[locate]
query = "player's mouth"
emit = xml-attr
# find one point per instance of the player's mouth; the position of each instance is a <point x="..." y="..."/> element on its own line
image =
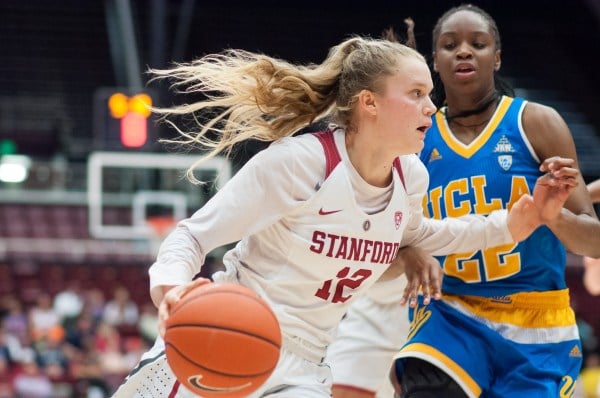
<point x="424" y="127"/>
<point x="464" y="70"/>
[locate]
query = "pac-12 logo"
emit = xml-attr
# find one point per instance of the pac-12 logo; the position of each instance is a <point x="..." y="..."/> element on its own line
<point x="505" y="161"/>
<point x="398" y="219"/>
<point x="195" y="382"/>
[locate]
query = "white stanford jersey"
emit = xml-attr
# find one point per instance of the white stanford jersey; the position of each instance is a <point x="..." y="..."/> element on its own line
<point x="323" y="253"/>
<point x="305" y="245"/>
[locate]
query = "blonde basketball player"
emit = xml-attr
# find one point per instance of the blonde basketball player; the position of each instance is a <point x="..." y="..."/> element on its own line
<point x="377" y="324"/>
<point x="318" y="217"/>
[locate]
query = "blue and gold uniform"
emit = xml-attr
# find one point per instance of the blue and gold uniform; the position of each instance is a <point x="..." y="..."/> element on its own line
<point x="505" y="312"/>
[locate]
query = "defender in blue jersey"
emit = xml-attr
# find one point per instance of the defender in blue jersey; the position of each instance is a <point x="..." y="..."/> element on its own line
<point x="504" y="327"/>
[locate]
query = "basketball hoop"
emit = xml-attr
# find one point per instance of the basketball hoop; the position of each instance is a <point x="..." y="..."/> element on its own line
<point x="160" y="226"/>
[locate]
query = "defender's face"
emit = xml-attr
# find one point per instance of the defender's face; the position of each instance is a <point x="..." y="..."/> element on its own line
<point x="465" y="54"/>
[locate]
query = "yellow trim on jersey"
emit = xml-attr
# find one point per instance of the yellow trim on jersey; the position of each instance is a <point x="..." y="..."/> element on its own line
<point x="527" y="310"/>
<point x="467" y="151"/>
<point x="430" y="352"/>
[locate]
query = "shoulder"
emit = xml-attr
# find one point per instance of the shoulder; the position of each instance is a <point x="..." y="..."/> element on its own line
<point x="535" y="112"/>
<point x="304" y="149"/>
<point x="296" y="162"/>
<point x="547" y="131"/>
<point x="415" y="173"/>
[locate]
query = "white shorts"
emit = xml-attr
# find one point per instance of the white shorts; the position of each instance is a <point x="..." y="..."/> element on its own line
<point x="293" y="377"/>
<point x="372" y="332"/>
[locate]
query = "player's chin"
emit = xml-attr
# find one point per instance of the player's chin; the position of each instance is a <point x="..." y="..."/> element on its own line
<point x="418" y="145"/>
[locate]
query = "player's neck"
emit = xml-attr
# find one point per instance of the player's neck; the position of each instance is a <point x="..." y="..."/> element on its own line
<point x="459" y="110"/>
<point x="368" y="162"/>
<point x="467" y="122"/>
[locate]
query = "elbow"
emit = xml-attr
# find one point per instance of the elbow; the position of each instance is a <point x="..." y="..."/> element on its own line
<point x="592" y="251"/>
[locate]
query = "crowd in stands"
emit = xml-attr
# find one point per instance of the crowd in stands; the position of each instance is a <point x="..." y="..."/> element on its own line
<point x="75" y="343"/>
<point x="81" y="342"/>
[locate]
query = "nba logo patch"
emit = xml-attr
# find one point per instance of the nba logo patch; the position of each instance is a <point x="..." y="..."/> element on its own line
<point x="505" y="161"/>
<point x="398" y="218"/>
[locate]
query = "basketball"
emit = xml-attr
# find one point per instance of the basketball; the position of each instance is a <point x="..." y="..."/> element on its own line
<point x="222" y="340"/>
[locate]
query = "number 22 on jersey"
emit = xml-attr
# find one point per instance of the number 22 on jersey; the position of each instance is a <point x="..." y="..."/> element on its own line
<point x="494" y="263"/>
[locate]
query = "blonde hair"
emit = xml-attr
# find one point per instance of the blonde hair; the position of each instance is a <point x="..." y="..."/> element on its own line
<point x="247" y="95"/>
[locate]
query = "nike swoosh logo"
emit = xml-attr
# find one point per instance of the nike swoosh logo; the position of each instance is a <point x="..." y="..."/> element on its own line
<point x="195" y="381"/>
<point x="324" y="213"/>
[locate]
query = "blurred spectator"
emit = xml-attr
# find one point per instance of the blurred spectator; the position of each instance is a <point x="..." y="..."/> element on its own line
<point x="15" y="320"/>
<point x="6" y="390"/>
<point x="114" y="363"/>
<point x="112" y="359"/>
<point x="42" y="317"/>
<point x="51" y="355"/>
<point x="591" y="275"/>
<point x="148" y="323"/>
<point x="11" y="349"/>
<point x="121" y="310"/>
<point x="94" y="302"/>
<point x="81" y="335"/>
<point x="589" y="378"/>
<point x="30" y="381"/>
<point x="105" y="335"/>
<point x="587" y="334"/>
<point x="134" y="348"/>
<point x="69" y="303"/>
<point x="88" y="376"/>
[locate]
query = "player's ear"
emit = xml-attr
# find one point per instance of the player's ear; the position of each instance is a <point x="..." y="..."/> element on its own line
<point x="434" y="66"/>
<point x="367" y="102"/>
<point x="497" y="60"/>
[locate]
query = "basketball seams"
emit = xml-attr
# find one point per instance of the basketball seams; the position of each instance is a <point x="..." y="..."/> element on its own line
<point x="220" y="373"/>
<point x="206" y="293"/>
<point x="229" y="335"/>
<point x="217" y="327"/>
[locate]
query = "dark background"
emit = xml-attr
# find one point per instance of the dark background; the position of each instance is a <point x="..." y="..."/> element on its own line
<point x="56" y="54"/>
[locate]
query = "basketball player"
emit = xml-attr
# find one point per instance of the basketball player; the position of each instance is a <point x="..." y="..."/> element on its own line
<point x="376" y="325"/>
<point x="318" y="217"/>
<point x="504" y="327"/>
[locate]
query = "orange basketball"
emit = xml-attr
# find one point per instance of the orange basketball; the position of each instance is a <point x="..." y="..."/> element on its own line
<point x="222" y="340"/>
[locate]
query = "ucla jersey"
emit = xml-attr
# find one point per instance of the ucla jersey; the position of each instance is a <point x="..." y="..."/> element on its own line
<point x="490" y="173"/>
<point x="513" y="297"/>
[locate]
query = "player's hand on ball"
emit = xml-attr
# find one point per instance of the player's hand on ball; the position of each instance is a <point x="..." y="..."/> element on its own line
<point x="172" y="297"/>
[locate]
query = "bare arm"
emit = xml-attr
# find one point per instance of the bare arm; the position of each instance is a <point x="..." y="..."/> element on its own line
<point x="594" y="190"/>
<point x="591" y="276"/>
<point x="577" y="225"/>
